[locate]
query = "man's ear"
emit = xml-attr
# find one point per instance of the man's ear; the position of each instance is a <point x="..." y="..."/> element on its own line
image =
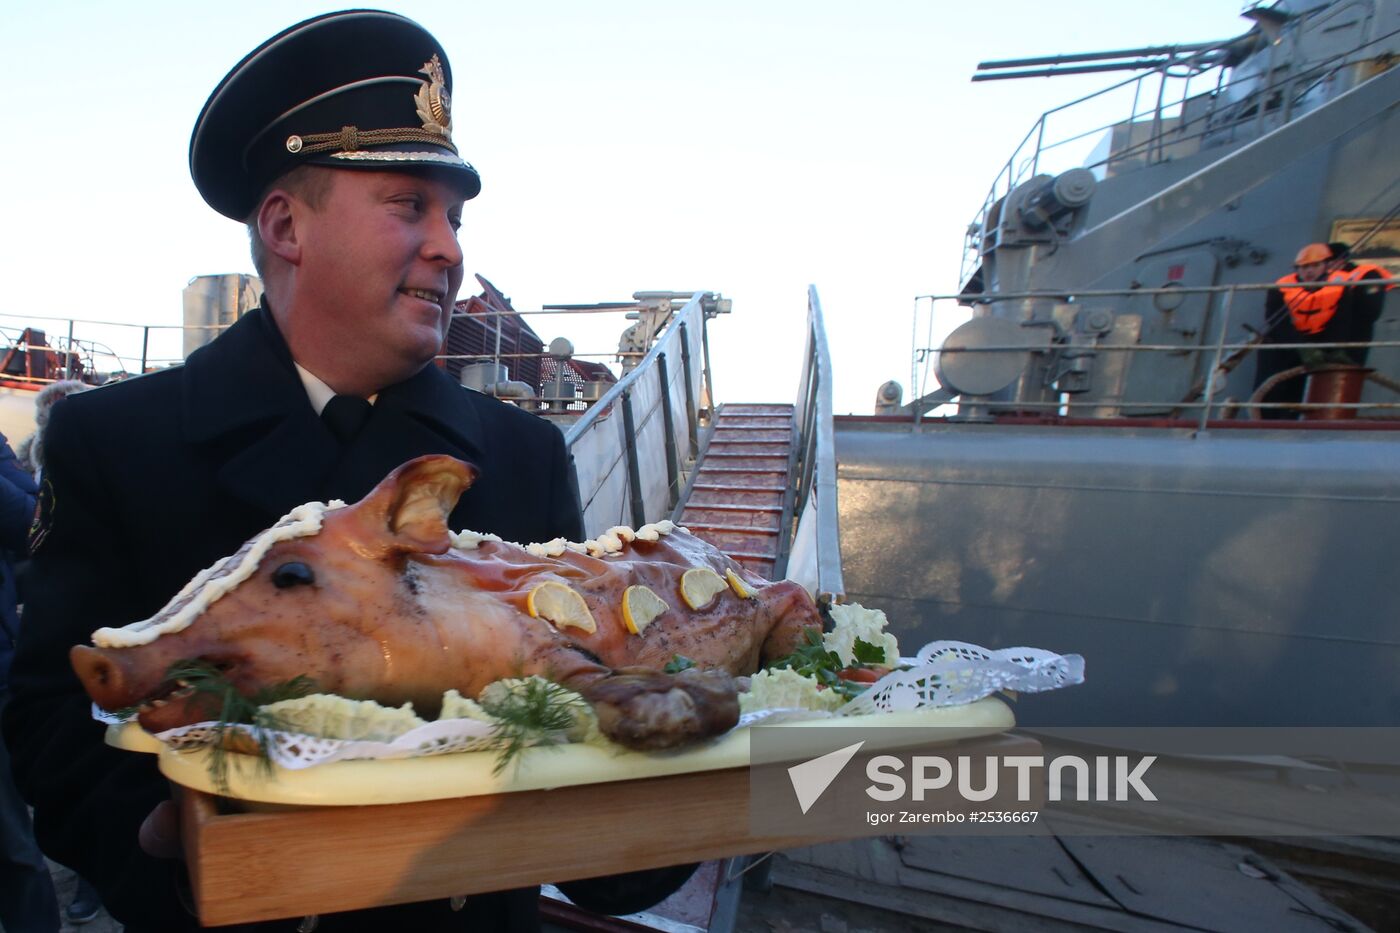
<point x="277" y="225"/>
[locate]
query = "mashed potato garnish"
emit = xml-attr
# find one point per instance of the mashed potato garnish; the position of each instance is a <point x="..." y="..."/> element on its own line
<point x="853" y="621"/>
<point x="456" y="706"/>
<point x="784" y="688"/>
<point x="333" y="717"/>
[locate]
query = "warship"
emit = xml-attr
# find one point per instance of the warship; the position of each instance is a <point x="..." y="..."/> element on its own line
<point x="1093" y="462"/>
<point x="1094" y="469"/>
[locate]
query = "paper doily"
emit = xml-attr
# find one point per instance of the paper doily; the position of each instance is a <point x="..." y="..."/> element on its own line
<point x="950" y="673"/>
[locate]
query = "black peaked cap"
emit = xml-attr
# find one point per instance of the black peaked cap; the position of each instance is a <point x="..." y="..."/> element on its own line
<point x="361" y="89"/>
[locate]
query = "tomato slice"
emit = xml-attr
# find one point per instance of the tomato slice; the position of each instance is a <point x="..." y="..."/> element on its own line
<point x="861" y="675"/>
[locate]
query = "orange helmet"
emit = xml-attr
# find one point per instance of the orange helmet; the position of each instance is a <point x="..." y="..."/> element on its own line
<point x="1313" y="252"/>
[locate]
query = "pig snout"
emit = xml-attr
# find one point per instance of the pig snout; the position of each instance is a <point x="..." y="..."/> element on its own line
<point x="105" y="678"/>
<point x="118" y="679"/>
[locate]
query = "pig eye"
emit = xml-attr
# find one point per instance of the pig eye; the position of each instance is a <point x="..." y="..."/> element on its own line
<point x="294" y="573"/>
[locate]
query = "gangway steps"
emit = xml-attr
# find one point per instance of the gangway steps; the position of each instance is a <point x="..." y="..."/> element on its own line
<point x="749" y="471"/>
<point x="737" y="498"/>
<point x="724" y="509"/>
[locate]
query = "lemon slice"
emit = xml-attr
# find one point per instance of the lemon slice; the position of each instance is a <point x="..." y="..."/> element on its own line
<point x="639" y="607"/>
<point x="554" y="602"/>
<point x="700" y="585"/>
<point x="740" y="588"/>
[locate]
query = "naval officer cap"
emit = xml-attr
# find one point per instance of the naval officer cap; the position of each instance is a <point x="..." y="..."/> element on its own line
<point x="360" y="89"/>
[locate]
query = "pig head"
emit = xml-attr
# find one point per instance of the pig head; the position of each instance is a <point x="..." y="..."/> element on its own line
<point x="378" y="600"/>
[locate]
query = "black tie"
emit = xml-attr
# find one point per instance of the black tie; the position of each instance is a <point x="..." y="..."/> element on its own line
<point x="345" y="415"/>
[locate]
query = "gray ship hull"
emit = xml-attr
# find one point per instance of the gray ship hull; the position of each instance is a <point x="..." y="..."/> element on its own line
<point x="1233" y="577"/>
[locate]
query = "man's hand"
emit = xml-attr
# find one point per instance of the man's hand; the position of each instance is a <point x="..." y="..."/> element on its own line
<point x="160" y="833"/>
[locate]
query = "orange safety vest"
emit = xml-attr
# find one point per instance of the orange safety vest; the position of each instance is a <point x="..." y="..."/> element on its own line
<point x="1365" y="268"/>
<point x="1311" y="306"/>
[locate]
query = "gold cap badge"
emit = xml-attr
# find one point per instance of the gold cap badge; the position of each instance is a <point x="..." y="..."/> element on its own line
<point x="433" y="102"/>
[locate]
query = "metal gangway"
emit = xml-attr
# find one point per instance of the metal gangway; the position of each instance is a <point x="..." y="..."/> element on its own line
<point x="643" y="451"/>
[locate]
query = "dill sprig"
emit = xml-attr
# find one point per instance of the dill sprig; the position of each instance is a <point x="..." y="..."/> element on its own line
<point x="535" y="712"/>
<point x="235" y="708"/>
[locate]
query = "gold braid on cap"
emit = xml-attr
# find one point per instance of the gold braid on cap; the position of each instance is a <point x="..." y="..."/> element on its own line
<point x="434" y="107"/>
<point x="353" y="139"/>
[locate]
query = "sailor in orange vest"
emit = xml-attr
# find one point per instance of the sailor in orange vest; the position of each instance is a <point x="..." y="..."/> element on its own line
<point x="1310" y="308"/>
<point x="1310" y="304"/>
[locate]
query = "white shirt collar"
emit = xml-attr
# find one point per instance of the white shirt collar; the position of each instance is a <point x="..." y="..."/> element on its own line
<point x="317" y="392"/>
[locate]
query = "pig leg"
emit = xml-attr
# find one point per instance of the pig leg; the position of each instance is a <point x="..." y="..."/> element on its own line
<point x="794" y="613"/>
<point x="647" y="710"/>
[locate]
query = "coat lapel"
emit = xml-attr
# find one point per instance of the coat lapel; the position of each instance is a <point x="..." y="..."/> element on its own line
<point x="246" y="408"/>
<point x="425" y="414"/>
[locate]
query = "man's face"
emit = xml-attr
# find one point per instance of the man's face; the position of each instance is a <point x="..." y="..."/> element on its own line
<point x="380" y="269"/>
<point x="1311" y="271"/>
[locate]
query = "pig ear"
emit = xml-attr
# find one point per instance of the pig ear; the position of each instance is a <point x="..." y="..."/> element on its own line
<point x="417" y="499"/>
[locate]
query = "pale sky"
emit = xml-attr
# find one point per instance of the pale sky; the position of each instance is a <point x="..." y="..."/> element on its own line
<point x="749" y="148"/>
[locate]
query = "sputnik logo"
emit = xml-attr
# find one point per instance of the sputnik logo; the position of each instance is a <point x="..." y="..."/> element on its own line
<point x="811" y="778"/>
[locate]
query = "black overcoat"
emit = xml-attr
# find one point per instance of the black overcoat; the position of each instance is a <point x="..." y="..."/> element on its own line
<point x="147" y="482"/>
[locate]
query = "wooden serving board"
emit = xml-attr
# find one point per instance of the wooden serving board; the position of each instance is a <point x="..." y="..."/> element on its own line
<point x="354" y="834"/>
<point x="298" y="861"/>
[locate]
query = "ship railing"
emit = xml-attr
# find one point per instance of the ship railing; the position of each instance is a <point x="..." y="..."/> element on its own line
<point x="633" y="446"/>
<point x="566" y="394"/>
<point x="95" y="351"/>
<point x="814" y="559"/>
<point x="99" y="351"/>
<point x="558" y="395"/>
<point x="1175" y="121"/>
<point x="1228" y="339"/>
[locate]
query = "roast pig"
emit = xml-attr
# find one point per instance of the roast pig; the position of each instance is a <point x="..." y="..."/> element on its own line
<point x="379" y="600"/>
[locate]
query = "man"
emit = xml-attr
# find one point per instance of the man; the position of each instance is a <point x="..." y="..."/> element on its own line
<point x="1309" y="305"/>
<point x="333" y="142"/>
